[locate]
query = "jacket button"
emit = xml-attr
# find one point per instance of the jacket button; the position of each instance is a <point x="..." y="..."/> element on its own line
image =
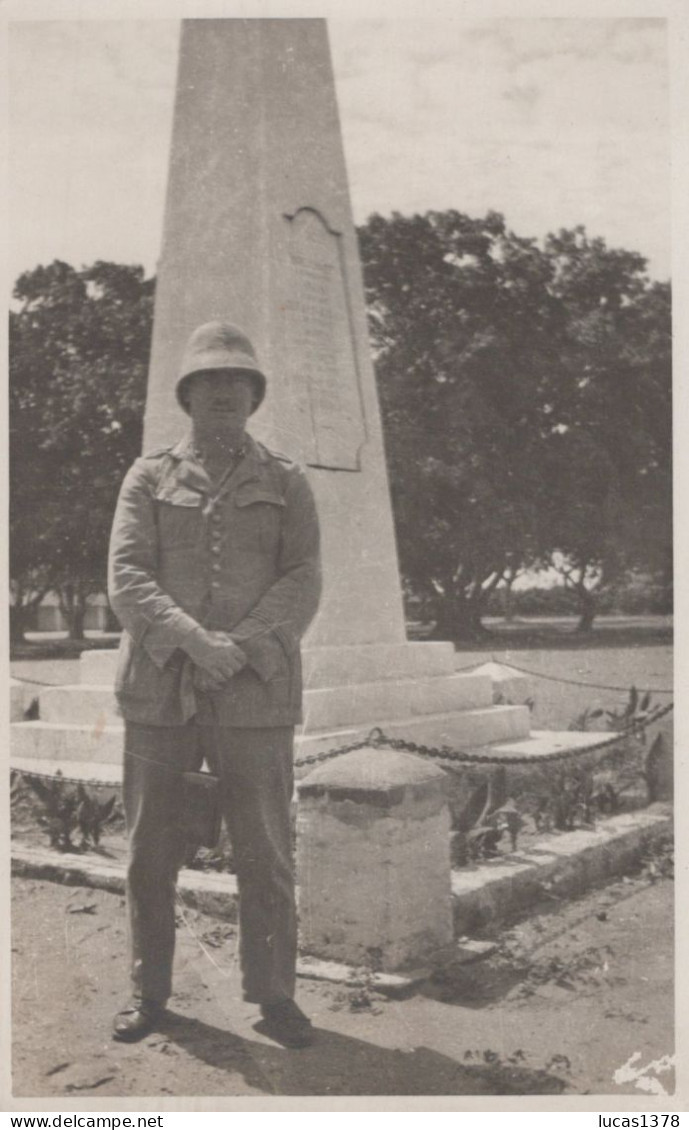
<point x="215" y="549"/>
<point x="216" y="566"/>
<point x="215" y="584"/>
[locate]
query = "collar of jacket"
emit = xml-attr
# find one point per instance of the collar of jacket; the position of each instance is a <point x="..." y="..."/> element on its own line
<point x="191" y="473"/>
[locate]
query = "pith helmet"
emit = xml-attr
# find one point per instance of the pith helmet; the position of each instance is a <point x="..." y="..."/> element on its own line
<point x="220" y="345"/>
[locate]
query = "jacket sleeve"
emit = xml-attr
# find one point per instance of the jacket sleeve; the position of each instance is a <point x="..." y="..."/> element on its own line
<point x="144" y="609"/>
<point x="277" y="622"/>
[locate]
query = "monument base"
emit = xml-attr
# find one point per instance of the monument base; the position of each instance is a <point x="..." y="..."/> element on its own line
<point x="409" y="691"/>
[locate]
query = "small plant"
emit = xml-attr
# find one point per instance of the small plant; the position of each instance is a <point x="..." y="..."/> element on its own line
<point x="59" y="815"/>
<point x="633" y="715"/>
<point x="67" y="810"/>
<point x="583" y="721"/>
<point x="92" y="816"/>
<point x="558" y="796"/>
<point x="483" y="839"/>
<point x="561" y="798"/>
<point x="600" y="791"/>
<point x="630" y="717"/>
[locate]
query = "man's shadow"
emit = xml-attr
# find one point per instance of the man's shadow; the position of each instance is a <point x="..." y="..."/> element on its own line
<point x="341" y="1065"/>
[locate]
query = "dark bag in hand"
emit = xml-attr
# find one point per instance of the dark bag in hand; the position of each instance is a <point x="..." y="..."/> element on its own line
<point x="201" y="808"/>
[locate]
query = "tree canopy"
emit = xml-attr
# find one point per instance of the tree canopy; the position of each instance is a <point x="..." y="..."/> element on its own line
<point x="79" y="345"/>
<point x="526" y="399"/>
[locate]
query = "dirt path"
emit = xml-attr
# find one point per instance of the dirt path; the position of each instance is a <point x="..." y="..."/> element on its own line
<point x="568" y="998"/>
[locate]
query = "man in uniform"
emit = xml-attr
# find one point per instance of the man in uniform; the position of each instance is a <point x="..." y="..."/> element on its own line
<point x="214" y="574"/>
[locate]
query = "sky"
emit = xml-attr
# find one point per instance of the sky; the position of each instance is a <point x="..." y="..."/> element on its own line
<point x="553" y="122"/>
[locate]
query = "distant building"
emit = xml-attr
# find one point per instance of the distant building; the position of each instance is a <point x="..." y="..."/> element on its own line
<point x="49" y="618"/>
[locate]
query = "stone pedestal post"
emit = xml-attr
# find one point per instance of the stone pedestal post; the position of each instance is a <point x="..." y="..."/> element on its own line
<point x="373" y="860"/>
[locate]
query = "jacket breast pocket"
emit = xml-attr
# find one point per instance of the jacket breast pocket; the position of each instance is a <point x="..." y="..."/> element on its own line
<point x="258" y="519"/>
<point x="180" y="519"/>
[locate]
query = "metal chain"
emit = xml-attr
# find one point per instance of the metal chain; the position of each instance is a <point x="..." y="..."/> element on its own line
<point x="317" y="758"/>
<point x="577" y="683"/>
<point x="378" y="740"/>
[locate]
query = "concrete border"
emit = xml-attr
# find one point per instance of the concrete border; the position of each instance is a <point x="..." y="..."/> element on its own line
<point x="211" y="892"/>
<point x="559" y="867"/>
<point x="556" y="868"/>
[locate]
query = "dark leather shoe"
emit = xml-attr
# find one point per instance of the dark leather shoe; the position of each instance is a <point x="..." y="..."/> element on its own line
<point x="136" y="1021"/>
<point x="285" y="1023"/>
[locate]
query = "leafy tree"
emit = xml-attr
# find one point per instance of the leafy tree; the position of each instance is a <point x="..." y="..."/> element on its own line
<point x="79" y="344"/>
<point x="461" y="321"/>
<point x="608" y="464"/>
<point x="525" y="399"/>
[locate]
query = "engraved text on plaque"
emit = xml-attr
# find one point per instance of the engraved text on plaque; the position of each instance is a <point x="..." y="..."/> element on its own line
<point x="322" y="358"/>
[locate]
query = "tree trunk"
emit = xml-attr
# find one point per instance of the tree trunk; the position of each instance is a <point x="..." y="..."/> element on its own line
<point x="18" y="622"/>
<point x="587" y="610"/>
<point x="76" y="621"/>
<point x="73" y="608"/>
<point x="22" y="611"/>
<point x="508" y="602"/>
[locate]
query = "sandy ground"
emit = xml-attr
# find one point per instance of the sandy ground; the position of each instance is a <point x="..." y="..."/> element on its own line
<point x="570" y="996"/>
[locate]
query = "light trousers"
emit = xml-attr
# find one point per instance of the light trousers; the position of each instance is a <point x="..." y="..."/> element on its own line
<point x="256" y="774"/>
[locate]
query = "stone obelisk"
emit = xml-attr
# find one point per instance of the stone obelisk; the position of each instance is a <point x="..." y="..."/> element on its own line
<point x="258" y="230"/>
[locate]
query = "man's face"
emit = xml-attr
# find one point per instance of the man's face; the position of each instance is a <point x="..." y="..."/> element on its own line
<point x="222" y="398"/>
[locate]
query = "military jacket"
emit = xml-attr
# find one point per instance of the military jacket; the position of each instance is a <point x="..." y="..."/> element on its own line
<point x="244" y="560"/>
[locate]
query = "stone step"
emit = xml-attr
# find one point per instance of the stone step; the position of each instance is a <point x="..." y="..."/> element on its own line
<point x="76" y="703"/>
<point x="69" y="742"/>
<point x="101" y="772"/>
<point x="60" y="742"/>
<point x="536" y="748"/>
<point x="541" y="744"/>
<point x="325" y="666"/>
<point x="324" y="707"/>
<point x="366" y="702"/>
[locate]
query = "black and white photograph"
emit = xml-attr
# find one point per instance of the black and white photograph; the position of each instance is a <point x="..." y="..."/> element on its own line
<point x="340" y="445"/>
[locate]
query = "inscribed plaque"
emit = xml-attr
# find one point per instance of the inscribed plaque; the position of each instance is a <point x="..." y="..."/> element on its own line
<point x="322" y="356"/>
